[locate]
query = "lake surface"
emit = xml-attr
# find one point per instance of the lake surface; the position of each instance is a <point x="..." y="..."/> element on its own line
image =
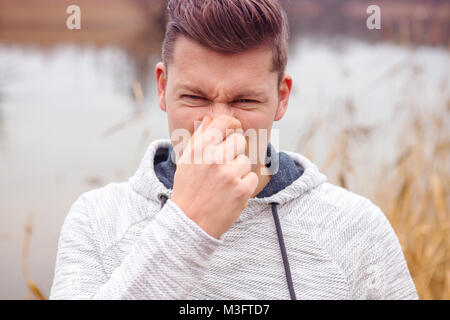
<point x="56" y="105"/>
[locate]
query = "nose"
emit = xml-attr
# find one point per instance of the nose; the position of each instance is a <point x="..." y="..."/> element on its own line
<point x="220" y="108"/>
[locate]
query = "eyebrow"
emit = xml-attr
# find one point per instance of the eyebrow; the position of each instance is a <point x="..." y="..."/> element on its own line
<point x="244" y="93"/>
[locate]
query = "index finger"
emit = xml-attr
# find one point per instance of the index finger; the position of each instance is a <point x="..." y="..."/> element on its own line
<point x="196" y="136"/>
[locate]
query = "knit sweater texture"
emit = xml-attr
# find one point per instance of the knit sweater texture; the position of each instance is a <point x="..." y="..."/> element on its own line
<point x="121" y="242"/>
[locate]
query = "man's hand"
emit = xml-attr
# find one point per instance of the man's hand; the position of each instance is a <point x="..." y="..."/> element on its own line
<point x="214" y="192"/>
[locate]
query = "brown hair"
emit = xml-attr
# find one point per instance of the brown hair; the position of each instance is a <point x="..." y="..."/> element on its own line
<point x="229" y="26"/>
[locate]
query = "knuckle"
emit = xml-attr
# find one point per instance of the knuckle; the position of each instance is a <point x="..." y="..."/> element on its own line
<point x="242" y="191"/>
<point x="241" y="139"/>
<point x="237" y="136"/>
<point x="236" y="122"/>
<point x="248" y="166"/>
<point x="243" y="160"/>
<point x="229" y="123"/>
<point x="227" y="175"/>
<point x="237" y="140"/>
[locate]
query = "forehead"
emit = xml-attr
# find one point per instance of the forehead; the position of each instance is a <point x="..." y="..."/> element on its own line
<point x="197" y="64"/>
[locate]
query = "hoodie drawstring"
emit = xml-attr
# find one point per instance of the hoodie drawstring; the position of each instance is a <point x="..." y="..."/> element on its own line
<point x="163" y="199"/>
<point x="287" y="269"/>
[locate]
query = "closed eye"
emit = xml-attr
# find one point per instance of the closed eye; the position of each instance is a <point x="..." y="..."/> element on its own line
<point x="192" y="97"/>
<point x="246" y="101"/>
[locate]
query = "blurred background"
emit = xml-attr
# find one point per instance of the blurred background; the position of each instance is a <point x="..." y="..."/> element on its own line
<point x="78" y="108"/>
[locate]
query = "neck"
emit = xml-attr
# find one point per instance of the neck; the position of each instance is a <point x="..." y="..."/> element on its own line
<point x="263" y="179"/>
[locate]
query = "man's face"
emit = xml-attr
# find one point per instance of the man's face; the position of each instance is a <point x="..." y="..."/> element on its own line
<point x="204" y="82"/>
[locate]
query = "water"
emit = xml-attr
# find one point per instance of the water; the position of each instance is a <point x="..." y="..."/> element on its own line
<point x="55" y="106"/>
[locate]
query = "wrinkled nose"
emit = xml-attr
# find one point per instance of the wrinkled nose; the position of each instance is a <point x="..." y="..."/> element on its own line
<point x="220" y="108"/>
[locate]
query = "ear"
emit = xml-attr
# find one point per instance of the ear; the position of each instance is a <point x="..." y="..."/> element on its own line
<point x="160" y="73"/>
<point x="284" y="92"/>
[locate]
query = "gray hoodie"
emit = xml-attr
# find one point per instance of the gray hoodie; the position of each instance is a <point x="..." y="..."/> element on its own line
<point x="309" y="240"/>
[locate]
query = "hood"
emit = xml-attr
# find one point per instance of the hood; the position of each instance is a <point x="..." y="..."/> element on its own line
<point x="146" y="182"/>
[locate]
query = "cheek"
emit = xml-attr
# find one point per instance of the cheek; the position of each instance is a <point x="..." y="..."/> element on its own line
<point x="257" y="119"/>
<point x="257" y="127"/>
<point x="262" y="122"/>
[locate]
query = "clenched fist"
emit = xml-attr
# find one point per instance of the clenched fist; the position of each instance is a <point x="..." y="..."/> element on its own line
<point x="214" y="191"/>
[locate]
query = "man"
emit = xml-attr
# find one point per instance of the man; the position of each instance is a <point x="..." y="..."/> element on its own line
<point x="227" y="226"/>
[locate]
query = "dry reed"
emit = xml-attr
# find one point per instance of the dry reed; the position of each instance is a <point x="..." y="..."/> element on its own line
<point x="415" y="200"/>
<point x="413" y="192"/>
<point x="34" y="291"/>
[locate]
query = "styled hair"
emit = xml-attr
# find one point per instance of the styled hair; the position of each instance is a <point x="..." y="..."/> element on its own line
<point x="229" y="26"/>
